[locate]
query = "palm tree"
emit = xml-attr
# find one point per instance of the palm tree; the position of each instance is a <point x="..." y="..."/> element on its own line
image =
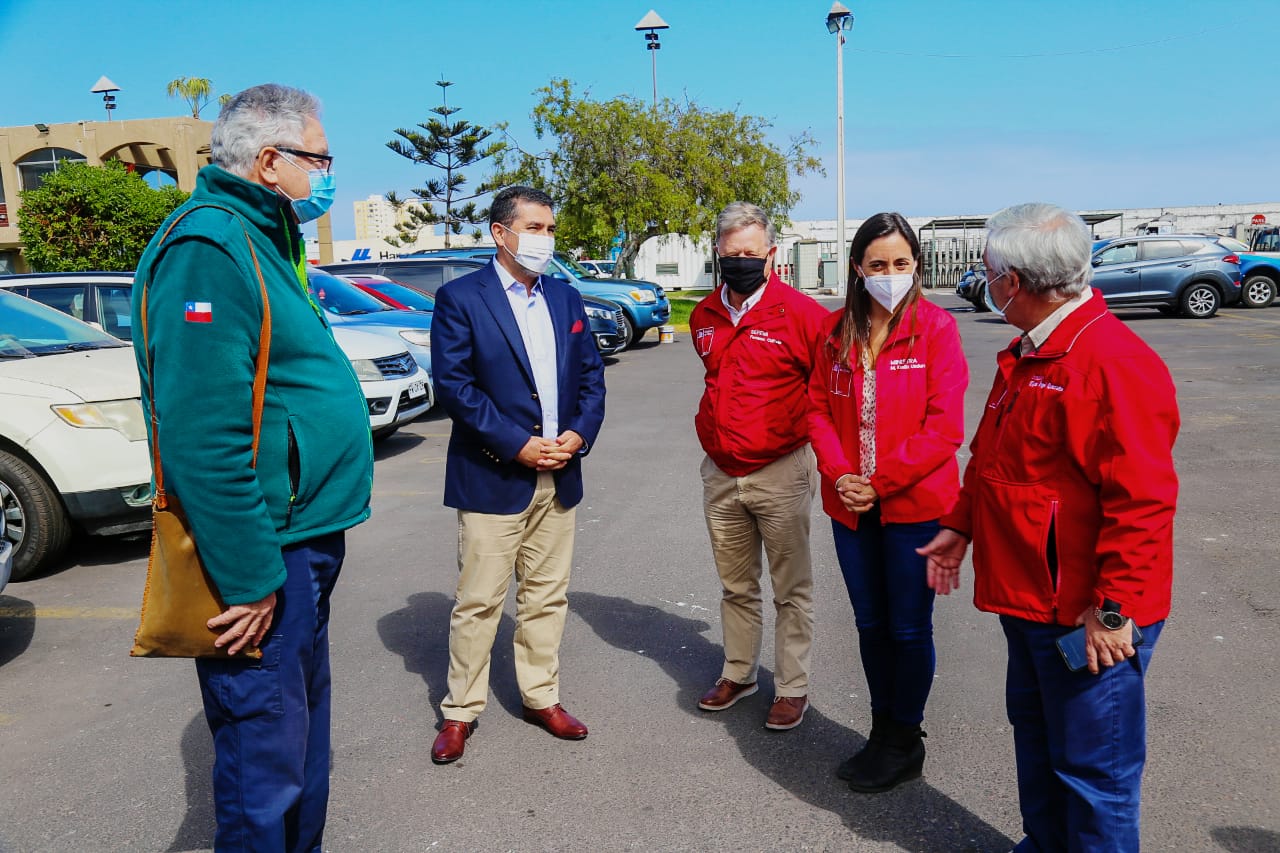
<point x="196" y="91"/>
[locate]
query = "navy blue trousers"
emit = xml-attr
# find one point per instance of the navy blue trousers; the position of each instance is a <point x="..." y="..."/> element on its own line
<point x="893" y="610"/>
<point x="270" y="719"/>
<point x="1080" y="741"/>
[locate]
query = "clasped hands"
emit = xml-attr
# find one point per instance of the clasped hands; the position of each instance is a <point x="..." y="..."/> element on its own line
<point x="856" y="493"/>
<point x="549" y="454"/>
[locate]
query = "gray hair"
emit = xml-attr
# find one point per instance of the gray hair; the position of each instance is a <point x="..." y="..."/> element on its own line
<point x="1049" y="246"/>
<point x="740" y="214"/>
<point x="258" y="118"/>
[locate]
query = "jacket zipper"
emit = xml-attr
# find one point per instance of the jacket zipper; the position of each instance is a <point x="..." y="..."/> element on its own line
<point x="295" y="475"/>
<point x="1055" y="572"/>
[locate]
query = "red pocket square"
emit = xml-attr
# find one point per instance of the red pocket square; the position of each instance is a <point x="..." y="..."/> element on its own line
<point x="577" y="327"/>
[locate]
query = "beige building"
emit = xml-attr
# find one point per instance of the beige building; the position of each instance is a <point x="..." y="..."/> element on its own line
<point x="177" y="147"/>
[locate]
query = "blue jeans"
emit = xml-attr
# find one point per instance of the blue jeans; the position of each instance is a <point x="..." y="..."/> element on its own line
<point x="1080" y="742"/>
<point x="270" y="719"/>
<point x="893" y="609"/>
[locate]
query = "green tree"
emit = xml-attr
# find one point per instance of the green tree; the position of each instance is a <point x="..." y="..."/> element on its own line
<point x="622" y="167"/>
<point x="91" y="218"/>
<point x="196" y="91"/>
<point x="449" y="146"/>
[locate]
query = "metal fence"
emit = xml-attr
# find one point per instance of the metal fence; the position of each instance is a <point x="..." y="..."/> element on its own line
<point x="945" y="259"/>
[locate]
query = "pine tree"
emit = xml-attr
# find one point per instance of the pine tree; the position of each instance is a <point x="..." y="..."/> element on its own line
<point x="448" y="146"/>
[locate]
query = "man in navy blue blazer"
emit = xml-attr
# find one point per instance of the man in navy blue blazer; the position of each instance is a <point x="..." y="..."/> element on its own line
<point x="517" y="370"/>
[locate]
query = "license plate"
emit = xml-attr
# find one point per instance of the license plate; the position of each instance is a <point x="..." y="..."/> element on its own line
<point x="417" y="389"/>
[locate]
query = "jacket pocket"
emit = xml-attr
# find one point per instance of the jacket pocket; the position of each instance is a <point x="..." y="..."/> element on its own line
<point x="296" y="482"/>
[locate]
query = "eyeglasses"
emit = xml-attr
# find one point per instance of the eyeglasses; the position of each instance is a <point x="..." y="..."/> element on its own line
<point x="325" y="161"/>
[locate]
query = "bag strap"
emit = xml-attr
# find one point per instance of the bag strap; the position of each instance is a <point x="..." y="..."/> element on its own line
<point x="260" y="365"/>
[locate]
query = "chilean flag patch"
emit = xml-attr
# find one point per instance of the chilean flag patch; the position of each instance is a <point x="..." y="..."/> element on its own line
<point x="199" y="312"/>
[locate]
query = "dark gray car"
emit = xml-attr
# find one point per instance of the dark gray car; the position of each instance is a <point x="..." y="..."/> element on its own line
<point x="1189" y="273"/>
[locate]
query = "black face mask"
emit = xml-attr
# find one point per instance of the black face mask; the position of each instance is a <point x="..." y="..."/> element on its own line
<point x="742" y="275"/>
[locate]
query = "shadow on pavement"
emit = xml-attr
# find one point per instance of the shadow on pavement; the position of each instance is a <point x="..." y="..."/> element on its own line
<point x="915" y="816"/>
<point x="394" y="445"/>
<point x="419" y="633"/>
<point x="1246" y="839"/>
<point x="196" y="832"/>
<point x="17" y="626"/>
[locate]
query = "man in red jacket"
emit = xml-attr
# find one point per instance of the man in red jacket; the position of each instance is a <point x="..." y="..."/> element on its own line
<point x="756" y="336"/>
<point x="1069" y="500"/>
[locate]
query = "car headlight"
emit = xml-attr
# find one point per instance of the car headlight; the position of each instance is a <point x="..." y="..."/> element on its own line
<point x="644" y="296"/>
<point x="599" y="313"/>
<point x="417" y="337"/>
<point x="366" y="370"/>
<point x="123" y="416"/>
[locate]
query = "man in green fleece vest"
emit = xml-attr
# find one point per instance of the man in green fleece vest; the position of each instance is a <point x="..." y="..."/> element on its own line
<point x="270" y="534"/>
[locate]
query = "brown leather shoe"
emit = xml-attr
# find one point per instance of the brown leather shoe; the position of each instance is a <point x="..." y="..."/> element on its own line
<point x="451" y="741"/>
<point x="556" y="720"/>
<point x="725" y="694"/>
<point x="786" y="713"/>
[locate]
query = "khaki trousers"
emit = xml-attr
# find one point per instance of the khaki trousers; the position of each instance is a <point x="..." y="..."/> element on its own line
<point x="537" y="546"/>
<point x="768" y="508"/>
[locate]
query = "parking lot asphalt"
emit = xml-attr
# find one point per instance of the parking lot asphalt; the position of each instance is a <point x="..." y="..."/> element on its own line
<point x="102" y="752"/>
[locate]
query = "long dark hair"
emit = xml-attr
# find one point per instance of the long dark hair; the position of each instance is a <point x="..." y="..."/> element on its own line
<point x="854" y="331"/>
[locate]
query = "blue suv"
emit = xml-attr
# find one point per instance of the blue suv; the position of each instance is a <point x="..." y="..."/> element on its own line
<point x="1260" y="269"/>
<point x="1193" y="274"/>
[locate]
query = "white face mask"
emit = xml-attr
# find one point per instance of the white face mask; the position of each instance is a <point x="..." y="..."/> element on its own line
<point x="991" y="303"/>
<point x="534" y="251"/>
<point x="889" y="290"/>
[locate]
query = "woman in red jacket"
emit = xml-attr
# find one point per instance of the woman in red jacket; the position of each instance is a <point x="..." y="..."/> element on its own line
<point x="887" y="416"/>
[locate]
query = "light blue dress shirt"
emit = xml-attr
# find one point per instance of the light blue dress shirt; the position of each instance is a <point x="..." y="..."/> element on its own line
<point x="534" y="319"/>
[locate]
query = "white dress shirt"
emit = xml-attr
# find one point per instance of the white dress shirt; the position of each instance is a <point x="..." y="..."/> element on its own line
<point x="534" y="319"/>
<point x="750" y="302"/>
<point x="1034" y="339"/>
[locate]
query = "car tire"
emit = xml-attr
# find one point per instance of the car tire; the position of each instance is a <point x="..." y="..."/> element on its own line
<point x="628" y="331"/>
<point x="1258" y="291"/>
<point x="979" y="299"/>
<point x="1200" y="300"/>
<point x="31" y="505"/>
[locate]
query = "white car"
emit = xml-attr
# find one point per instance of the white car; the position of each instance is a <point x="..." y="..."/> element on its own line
<point x="395" y="387"/>
<point x="73" y="440"/>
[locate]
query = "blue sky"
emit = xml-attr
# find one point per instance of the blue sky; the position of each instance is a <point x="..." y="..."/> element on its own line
<point x="950" y="107"/>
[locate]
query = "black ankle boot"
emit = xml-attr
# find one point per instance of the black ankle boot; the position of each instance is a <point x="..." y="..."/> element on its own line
<point x="856" y="765"/>
<point x="899" y="758"/>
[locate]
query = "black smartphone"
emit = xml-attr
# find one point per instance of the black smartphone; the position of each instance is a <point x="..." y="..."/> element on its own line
<point x="1071" y="647"/>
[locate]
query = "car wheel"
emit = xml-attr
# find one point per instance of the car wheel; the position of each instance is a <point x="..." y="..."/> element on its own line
<point x="628" y="331"/>
<point x="1259" y="291"/>
<point x="35" y="521"/>
<point x="979" y="299"/>
<point x="1200" y="301"/>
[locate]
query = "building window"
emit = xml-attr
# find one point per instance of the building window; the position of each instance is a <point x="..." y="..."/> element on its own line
<point x="709" y="268"/>
<point x="667" y="269"/>
<point x="33" y="167"/>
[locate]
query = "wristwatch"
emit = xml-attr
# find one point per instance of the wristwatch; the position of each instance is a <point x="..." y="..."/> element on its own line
<point x="1109" y="615"/>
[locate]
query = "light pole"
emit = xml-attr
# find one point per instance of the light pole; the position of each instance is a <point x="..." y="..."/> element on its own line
<point x="650" y="24"/>
<point x="106" y="87"/>
<point x="840" y="21"/>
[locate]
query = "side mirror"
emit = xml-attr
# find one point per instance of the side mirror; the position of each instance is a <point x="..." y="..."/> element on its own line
<point x="1097" y="262"/>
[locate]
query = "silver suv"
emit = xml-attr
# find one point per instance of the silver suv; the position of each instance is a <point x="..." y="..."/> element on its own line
<point x="1189" y="273"/>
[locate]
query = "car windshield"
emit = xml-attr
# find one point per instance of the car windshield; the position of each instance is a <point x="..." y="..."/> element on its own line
<point x="29" y="329"/>
<point x="1232" y="245"/>
<point x="342" y="297"/>
<point x="406" y="296"/>
<point x="576" y="268"/>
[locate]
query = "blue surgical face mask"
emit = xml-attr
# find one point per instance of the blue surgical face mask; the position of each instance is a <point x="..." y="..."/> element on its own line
<point x="986" y="297"/>
<point x="317" y="204"/>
